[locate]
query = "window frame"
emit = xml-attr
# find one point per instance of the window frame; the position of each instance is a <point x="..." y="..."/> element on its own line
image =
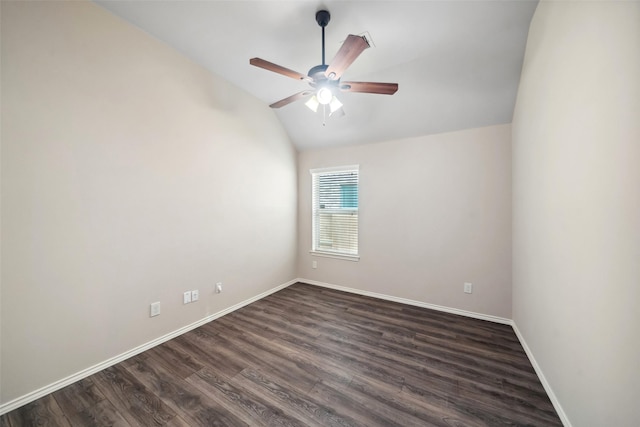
<point x="314" y="215"/>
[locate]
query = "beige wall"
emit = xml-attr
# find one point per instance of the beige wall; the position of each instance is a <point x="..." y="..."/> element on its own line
<point x="435" y="212"/>
<point x="129" y="175"/>
<point x="576" y="207"/>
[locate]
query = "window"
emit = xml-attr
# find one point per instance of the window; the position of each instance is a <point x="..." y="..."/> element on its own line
<point x="335" y="211"/>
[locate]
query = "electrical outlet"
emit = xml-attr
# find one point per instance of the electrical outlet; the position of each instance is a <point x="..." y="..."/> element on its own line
<point x="218" y="287"/>
<point x="186" y="298"/>
<point x="314" y="264"/>
<point x="155" y="309"/>
<point x="468" y="288"/>
<point x="195" y="295"/>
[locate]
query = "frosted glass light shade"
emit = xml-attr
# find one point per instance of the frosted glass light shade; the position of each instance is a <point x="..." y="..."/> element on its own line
<point x="312" y="103"/>
<point x="335" y="105"/>
<point x="324" y="95"/>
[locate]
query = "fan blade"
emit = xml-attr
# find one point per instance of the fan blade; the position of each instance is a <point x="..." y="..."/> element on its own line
<point x="270" y="66"/>
<point x="369" y="87"/>
<point x="292" y="98"/>
<point x="349" y="51"/>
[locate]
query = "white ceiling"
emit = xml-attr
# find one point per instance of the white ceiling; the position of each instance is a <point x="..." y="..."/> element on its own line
<point x="457" y="63"/>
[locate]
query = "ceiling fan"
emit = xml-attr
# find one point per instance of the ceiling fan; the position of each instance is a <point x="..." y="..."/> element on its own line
<point x="325" y="79"/>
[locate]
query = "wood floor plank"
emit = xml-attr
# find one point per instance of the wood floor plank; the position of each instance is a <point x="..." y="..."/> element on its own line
<point x="311" y="356"/>
<point x="137" y="405"/>
<point x="433" y="411"/>
<point x="78" y="396"/>
<point x="413" y="358"/>
<point x="183" y="398"/>
<point x="293" y="401"/>
<point x="43" y="412"/>
<point x="181" y="363"/>
<point x="366" y="412"/>
<point x="316" y="368"/>
<point x="284" y="368"/>
<point x="102" y="413"/>
<point x="84" y="404"/>
<point x="256" y="410"/>
<point x="207" y="353"/>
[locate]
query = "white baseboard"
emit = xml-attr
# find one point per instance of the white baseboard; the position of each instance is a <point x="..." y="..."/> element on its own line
<point x="37" y="394"/>
<point x="466" y="313"/>
<point x="543" y="379"/>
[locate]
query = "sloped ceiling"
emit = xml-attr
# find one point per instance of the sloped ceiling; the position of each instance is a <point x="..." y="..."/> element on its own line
<point x="457" y="63"/>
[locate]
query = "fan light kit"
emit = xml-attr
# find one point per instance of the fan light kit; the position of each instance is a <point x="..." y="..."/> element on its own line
<point x="325" y="79"/>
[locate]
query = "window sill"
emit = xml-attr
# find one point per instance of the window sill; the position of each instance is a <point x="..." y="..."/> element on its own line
<point x="345" y="257"/>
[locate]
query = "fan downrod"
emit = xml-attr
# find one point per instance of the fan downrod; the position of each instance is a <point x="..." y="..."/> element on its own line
<point x="322" y="18"/>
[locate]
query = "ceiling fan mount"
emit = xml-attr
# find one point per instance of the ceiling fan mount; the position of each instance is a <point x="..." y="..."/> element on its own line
<point x="325" y="79"/>
<point x="323" y="17"/>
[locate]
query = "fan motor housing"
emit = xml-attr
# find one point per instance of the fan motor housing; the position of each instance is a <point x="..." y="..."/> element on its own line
<point x="319" y="78"/>
<point x="317" y="72"/>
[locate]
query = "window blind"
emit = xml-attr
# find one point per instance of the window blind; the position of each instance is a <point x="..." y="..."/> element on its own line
<point x="335" y="210"/>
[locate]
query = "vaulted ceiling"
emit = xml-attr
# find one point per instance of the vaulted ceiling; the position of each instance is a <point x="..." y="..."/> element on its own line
<point x="457" y="63"/>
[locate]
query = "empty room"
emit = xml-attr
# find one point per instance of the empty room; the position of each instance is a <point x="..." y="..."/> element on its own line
<point x="319" y="213"/>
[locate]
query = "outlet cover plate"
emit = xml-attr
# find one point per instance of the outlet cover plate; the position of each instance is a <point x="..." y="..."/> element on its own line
<point x="155" y="309"/>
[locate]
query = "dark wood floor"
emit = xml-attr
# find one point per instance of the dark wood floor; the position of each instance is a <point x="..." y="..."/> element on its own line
<point x="309" y="356"/>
